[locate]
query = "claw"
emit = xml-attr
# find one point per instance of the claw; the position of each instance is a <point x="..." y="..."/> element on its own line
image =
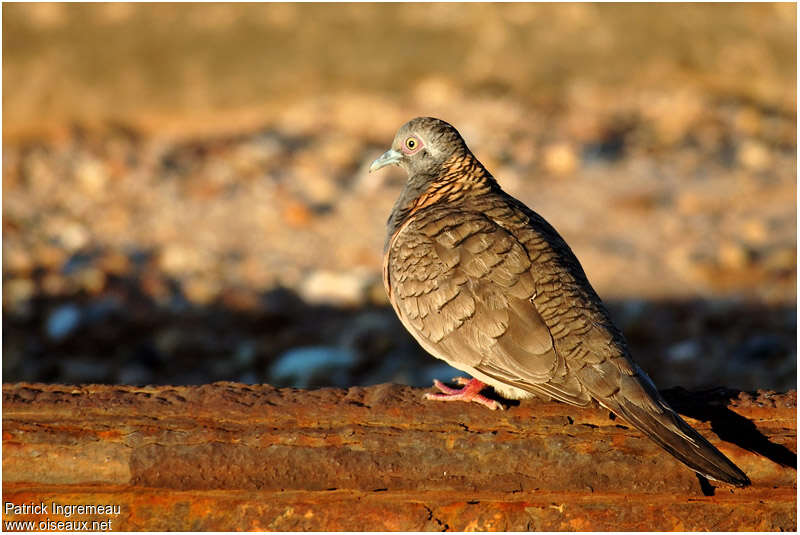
<point x="470" y="392"/>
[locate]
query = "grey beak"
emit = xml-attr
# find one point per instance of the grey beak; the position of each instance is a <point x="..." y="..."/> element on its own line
<point x="387" y="158"/>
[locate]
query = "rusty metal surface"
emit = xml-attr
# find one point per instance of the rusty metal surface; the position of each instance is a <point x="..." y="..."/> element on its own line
<point x="229" y="456"/>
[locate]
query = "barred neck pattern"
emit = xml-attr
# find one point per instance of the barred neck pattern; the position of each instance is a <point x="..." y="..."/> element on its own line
<point x="460" y="174"/>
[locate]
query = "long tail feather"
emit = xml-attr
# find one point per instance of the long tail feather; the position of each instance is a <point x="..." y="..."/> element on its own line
<point x="672" y="433"/>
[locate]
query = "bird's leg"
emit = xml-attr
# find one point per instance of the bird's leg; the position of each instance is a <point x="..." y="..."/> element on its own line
<point x="471" y="391"/>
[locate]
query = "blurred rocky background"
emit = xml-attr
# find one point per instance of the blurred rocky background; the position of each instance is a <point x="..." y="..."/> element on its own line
<point x="185" y="195"/>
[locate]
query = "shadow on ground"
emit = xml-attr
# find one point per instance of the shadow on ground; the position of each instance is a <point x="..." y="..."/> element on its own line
<point x="124" y="335"/>
<point x="712" y="406"/>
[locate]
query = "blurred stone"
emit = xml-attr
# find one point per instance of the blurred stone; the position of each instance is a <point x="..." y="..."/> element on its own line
<point x="115" y="263"/>
<point x="510" y="177"/>
<point x="154" y="286"/>
<point x="582" y="126"/>
<point x="254" y="273"/>
<point x="306" y="366"/>
<point x="755" y="231"/>
<point x="201" y="188"/>
<point x="13" y="360"/>
<point x="102" y="309"/>
<point x="168" y="340"/>
<point x="76" y="262"/>
<point x="732" y="255"/>
<point x="82" y="370"/>
<point x="338" y="151"/>
<point x="221" y="369"/>
<point x="297" y="214"/>
<point x="179" y="259"/>
<point x="643" y="201"/>
<point x="684" y="351"/>
<point x="316" y="188"/>
<point x="754" y="155"/>
<point x="679" y="258"/>
<point x="281" y="302"/>
<point x="710" y="136"/>
<point x="560" y="159"/>
<point x="201" y="290"/>
<point x="220" y="172"/>
<point x="62" y="321"/>
<point x="370" y="334"/>
<point x="338" y="288"/>
<point x="632" y="312"/>
<point x="435" y="91"/>
<point x="762" y="347"/>
<point x="253" y="156"/>
<point x="92" y="175"/>
<point x="249" y="378"/>
<point x="116" y="220"/>
<point x="393" y="368"/>
<point x="239" y="299"/>
<point x="672" y="114"/>
<point x="524" y="151"/>
<point x="195" y="376"/>
<point x="16" y="259"/>
<point x="54" y="284"/>
<point x="298" y="121"/>
<point x="49" y="256"/>
<point x="689" y="202"/>
<point x="47" y="16"/>
<point x="781" y="259"/>
<point x="11" y="169"/>
<point x="38" y="171"/>
<point x="245" y="354"/>
<point x="73" y="236"/>
<point x="134" y="374"/>
<point x="116" y="13"/>
<point x="748" y="121"/>
<point x="91" y="279"/>
<point x="377" y="294"/>
<point x="16" y="291"/>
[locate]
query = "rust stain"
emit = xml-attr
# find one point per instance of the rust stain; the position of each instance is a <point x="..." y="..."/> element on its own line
<point x="579" y="524"/>
<point x="235" y="457"/>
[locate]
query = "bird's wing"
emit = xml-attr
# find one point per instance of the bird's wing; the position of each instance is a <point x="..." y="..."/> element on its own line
<point x="463" y="287"/>
<point x="466" y="289"/>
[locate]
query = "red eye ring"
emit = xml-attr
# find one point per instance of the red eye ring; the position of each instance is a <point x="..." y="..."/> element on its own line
<point x="412" y="144"/>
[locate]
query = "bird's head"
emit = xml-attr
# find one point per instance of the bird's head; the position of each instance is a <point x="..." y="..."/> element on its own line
<point x="422" y="146"/>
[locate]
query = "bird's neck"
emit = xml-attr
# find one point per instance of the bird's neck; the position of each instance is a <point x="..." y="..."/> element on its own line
<point x="459" y="176"/>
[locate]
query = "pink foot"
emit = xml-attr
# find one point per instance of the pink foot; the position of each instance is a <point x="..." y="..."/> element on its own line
<point x="470" y="392"/>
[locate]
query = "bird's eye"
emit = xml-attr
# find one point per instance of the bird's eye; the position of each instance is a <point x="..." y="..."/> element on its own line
<point x="412" y="145"/>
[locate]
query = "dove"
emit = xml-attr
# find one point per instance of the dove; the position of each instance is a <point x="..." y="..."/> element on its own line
<point x="484" y="283"/>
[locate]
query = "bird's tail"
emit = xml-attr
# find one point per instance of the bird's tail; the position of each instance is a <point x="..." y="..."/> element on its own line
<point x="663" y="425"/>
